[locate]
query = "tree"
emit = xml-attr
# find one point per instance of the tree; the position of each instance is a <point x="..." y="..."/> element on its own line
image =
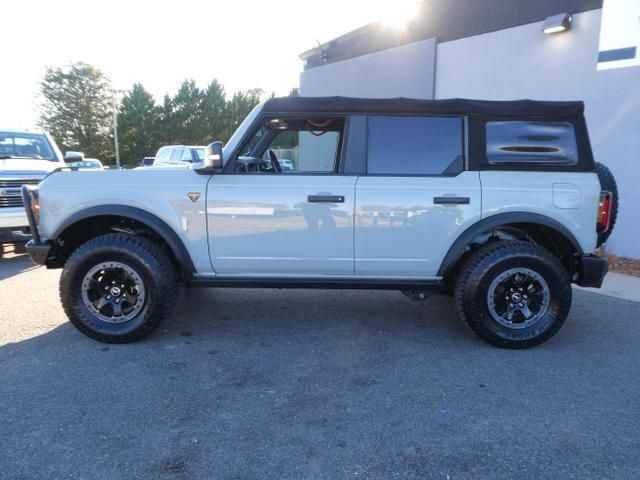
<point x="238" y="108"/>
<point x="138" y="124"/>
<point x="186" y="117"/>
<point x="77" y="109"/>
<point x="213" y="108"/>
<point x="165" y="122"/>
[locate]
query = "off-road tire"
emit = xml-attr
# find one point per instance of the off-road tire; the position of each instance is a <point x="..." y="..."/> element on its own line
<point x="608" y="183"/>
<point x="147" y="259"/>
<point x="488" y="263"/>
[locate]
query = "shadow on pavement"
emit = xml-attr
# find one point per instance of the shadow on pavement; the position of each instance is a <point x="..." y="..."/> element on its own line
<point x="324" y="384"/>
<point x="13" y="263"/>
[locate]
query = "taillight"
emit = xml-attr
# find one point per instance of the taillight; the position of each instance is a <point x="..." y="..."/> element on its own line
<point x="604" y="212"/>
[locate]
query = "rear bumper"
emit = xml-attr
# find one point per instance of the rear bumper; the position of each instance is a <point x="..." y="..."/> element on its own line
<point x="591" y="271"/>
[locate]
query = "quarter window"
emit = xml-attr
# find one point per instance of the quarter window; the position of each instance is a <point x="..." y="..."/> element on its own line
<point x="540" y="143"/>
<point x="414" y="145"/>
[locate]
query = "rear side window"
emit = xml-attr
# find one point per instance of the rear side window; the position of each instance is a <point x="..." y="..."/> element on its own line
<point x="414" y="145"/>
<point x="540" y="143"/>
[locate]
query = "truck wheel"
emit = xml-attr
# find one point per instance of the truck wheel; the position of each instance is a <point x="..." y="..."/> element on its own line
<point x="118" y="288"/>
<point x="513" y="294"/>
<point x="608" y="183"/>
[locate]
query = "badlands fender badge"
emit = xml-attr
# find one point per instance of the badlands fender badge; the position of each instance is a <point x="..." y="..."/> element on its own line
<point x="193" y="196"/>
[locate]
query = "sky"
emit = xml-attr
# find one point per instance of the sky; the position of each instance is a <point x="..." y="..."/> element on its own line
<point x="243" y="43"/>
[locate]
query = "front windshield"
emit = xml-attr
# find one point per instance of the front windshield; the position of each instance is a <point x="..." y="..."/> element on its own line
<point x="241" y="130"/>
<point x="25" y="145"/>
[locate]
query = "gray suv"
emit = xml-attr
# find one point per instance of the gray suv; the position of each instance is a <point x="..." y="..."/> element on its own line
<point x="499" y="204"/>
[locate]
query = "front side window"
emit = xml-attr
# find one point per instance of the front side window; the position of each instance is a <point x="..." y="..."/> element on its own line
<point x="414" y="145"/>
<point x="293" y="145"/>
<point x="25" y="145"/>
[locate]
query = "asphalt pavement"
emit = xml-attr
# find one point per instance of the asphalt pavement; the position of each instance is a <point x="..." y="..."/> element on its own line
<point x="312" y="384"/>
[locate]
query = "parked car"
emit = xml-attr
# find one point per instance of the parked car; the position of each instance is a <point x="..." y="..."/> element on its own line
<point x="499" y="203"/>
<point x="146" y="162"/>
<point x="25" y="159"/>
<point x="286" y="164"/>
<point x="86" y="164"/>
<point x="178" y="156"/>
<point x="77" y="161"/>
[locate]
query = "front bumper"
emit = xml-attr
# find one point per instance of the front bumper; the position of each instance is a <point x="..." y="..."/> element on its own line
<point x="591" y="271"/>
<point x="37" y="249"/>
<point x="38" y="252"/>
<point x="13" y="218"/>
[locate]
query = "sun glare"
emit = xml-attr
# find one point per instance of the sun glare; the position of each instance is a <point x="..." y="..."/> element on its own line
<point x="398" y="13"/>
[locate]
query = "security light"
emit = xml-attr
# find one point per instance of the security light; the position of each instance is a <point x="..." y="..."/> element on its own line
<point x="557" y="23"/>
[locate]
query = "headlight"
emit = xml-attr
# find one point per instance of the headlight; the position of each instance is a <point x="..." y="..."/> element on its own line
<point x="35" y="204"/>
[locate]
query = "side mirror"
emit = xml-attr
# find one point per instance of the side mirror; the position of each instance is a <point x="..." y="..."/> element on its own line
<point x="73" y="156"/>
<point x="212" y="162"/>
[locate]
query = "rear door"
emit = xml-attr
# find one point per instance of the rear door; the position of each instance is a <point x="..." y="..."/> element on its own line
<point x="416" y="197"/>
<point x="293" y="218"/>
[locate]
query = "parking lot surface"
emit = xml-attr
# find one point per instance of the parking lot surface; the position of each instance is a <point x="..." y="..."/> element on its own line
<point x="310" y="384"/>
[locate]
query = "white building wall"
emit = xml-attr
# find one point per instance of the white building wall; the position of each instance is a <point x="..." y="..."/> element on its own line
<point x="406" y="71"/>
<point x="519" y="62"/>
<point x="522" y="62"/>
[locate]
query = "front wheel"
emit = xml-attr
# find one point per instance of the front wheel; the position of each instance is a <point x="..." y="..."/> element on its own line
<point x="513" y="294"/>
<point x="117" y="288"/>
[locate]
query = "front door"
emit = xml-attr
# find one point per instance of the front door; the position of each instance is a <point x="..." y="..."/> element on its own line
<point x="283" y="210"/>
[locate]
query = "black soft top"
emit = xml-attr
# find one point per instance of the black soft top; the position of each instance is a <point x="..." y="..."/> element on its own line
<point x="453" y="106"/>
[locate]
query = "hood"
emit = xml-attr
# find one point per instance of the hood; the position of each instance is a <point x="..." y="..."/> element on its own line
<point x="27" y="166"/>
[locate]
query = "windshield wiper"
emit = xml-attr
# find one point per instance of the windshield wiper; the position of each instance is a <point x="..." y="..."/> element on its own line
<point x="4" y="157"/>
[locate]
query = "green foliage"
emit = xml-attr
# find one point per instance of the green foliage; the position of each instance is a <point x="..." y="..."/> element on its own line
<point x="138" y="125"/>
<point x="238" y="108"/>
<point x="77" y="109"/>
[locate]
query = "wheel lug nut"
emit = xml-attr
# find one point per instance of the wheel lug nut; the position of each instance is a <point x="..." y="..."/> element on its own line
<point x="521" y="305"/>
<point x="108" y="297"/>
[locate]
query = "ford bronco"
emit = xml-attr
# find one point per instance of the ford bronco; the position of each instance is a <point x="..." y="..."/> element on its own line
<point x="498" y="203"/>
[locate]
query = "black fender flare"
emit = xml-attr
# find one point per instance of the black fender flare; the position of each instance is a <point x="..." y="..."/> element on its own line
<point x="464" y="240"/>
<point x="149" y="219"/>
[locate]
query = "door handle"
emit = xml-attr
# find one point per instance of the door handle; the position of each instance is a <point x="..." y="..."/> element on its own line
<point x="325" y="199"/>
<point x="451" y="200"/>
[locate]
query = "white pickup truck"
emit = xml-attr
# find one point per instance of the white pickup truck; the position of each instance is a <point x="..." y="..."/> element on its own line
<point x="25" y="159"/>
<point x="499" y="203"/>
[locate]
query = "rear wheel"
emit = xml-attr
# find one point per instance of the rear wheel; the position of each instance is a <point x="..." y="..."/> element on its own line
<point x="117" y="288"/>
<point x="513" y="294"/>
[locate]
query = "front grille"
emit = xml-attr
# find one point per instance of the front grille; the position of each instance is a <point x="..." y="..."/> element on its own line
<point x="17" y="183"/>
<point x="14" y="200"/>
<point x="11" y="202"/>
